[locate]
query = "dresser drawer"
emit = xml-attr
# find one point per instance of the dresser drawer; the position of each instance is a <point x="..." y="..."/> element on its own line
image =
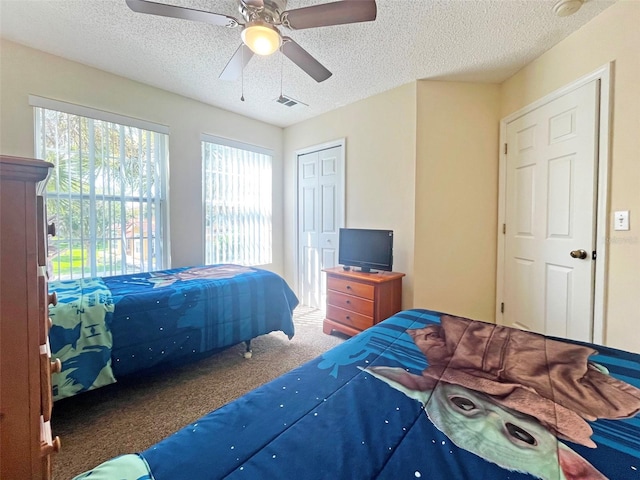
<point x="42" y="236"/>
<point x="351" y="287"/>
<point x="349" y="302"/>
<point x="349" y="318"/>
<point x="47" y="368"/>
<point x="43" y="309"/>
<point x="46" y="403"/>
<point x="48" y="443"/>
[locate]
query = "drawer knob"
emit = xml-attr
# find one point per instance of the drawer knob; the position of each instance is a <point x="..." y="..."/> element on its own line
<point x="348" y="287"/>
<point x="56" y="367"/>
<point x="348" y="317"/>
<point x="348" y="302"/>
<point x="56" y="444"/>
<point x="51" y="229"/>
<point x="53" y="299"/>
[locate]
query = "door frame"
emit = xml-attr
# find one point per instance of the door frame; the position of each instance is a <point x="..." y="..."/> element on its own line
<point x="604" y="74"/>
<point x="340" y="142"/>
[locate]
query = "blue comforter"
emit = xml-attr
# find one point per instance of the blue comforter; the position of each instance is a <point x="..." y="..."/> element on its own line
<point x="106" y="328"/>
<point x="370" y="409"/>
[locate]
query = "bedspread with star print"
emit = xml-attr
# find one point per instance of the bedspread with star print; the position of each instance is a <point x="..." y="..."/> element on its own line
<point x="110" y="327"/>
<point x="396" y="402"/>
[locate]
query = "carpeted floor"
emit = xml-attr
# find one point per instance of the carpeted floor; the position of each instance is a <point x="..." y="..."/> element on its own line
<point x="133" y="414"/>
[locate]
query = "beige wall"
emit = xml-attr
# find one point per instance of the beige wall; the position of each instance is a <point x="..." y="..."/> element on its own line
<point x="24" y="71"/>
<point x="456" y="198"/>
<point x="380" y="166"/>
<point x="421" y="159"/>
<point x="613" y="36"/>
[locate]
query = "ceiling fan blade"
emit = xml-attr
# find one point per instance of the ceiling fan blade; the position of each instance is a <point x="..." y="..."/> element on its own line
<point x="236" y="64"/>
<point x="327" y="14"/>
<point x="304" y="60"/>
<point x="164" y="10"/>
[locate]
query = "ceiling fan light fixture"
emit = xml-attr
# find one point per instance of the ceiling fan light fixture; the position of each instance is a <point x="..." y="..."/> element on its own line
<point x="564" y="8"/>
<point x="261" y="37"/>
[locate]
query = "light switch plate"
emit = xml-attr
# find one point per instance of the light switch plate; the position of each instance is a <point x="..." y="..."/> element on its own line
<point x="621" y="220"/>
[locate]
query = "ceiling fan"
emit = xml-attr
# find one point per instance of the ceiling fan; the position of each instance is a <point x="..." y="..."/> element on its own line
<point x="260" y="27"/>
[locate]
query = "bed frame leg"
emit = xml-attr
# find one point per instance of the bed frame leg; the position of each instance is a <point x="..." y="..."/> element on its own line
<point x="248" y="353"/>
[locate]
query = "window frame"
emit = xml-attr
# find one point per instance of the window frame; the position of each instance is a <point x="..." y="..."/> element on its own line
<point x="124" y="121"/>
<point x="226" y="142"/>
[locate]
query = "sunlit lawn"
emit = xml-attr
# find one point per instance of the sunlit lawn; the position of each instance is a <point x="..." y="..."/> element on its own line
<point x="71" y="261"/>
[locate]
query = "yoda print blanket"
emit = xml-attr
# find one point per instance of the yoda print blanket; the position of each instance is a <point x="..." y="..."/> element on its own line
<point x="421" y="395"/>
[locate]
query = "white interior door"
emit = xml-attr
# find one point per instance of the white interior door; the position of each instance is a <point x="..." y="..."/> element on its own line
<point x="320" y="216"/>
<point x="550" y="216"/>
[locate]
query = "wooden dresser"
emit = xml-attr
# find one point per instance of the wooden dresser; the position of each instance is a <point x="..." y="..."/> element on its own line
<point x="358" y="300"/>
<point x="26" y="441"/>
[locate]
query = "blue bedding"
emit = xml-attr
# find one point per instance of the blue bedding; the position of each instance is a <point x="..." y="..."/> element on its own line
<point x="395" y="402"/>
<point x="106" y="328"/>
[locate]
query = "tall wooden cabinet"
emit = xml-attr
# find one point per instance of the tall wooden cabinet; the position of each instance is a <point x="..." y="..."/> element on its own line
<point x="26" y="441"/>
<point x="358" y="300"/>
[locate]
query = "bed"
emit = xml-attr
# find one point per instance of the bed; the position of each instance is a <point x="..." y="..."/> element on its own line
<point x="107" y="328"/>
<point x="420" y="395"/>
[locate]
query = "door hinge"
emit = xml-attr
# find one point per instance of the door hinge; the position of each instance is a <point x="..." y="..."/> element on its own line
<point x="504" y="228"/>
<point x="593" y="255"/>
<point x="505" y="148"/>
<point x="502" y="307"/>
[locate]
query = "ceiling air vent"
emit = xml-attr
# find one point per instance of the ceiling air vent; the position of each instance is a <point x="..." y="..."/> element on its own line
<point x="289" y="102"/>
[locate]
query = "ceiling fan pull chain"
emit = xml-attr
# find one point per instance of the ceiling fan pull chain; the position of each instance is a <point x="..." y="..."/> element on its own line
<point x="281" y="70"/>
<point x="242" y="74"/>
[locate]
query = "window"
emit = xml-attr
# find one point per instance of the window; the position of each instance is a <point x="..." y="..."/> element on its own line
<point x="106" y="192"/>
<point x="237" y="202"/>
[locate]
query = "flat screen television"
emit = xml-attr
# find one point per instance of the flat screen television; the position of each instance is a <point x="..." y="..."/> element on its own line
<point x="367" y="249"/>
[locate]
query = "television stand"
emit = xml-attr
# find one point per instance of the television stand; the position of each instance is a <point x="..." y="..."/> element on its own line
<point x="358" y="300"/>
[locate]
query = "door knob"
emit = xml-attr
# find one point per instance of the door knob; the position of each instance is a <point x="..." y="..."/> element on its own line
<point x="581" y="254"/>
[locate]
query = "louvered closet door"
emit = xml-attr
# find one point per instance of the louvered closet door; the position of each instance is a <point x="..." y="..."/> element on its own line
<point x="550" y="212"/>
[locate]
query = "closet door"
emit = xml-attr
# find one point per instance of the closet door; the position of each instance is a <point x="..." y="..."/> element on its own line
<point x="320" y="216"/>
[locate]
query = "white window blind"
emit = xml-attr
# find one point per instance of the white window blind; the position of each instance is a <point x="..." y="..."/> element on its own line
<point x="106" y="194"/>
<point x="237" y="202"/>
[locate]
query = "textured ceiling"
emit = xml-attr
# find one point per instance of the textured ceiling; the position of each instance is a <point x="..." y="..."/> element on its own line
<point x="464" y="40"/>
